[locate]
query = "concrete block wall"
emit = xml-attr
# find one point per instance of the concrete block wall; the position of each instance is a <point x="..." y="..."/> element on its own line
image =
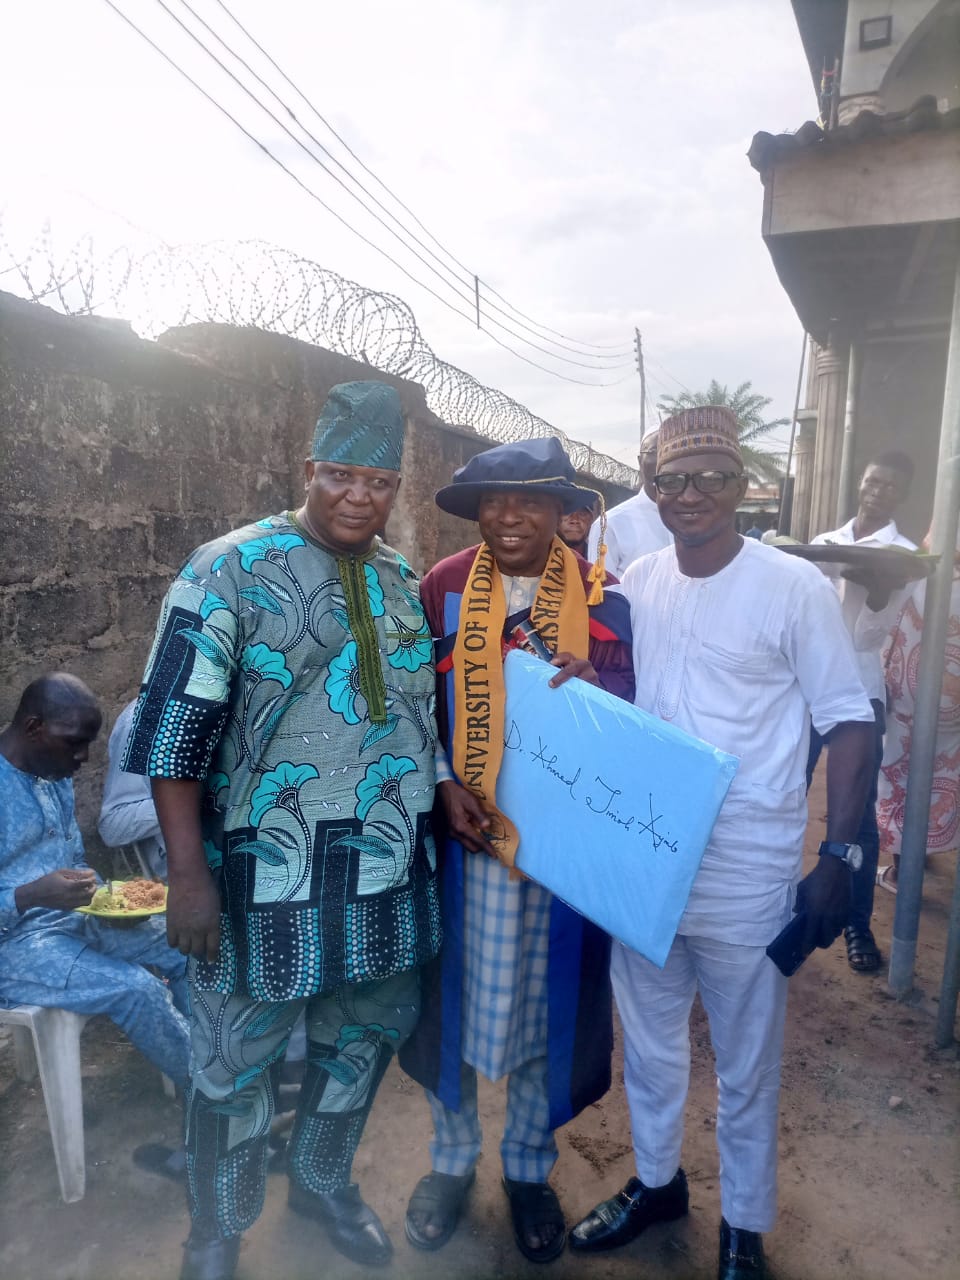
<point x="122" y="455"/>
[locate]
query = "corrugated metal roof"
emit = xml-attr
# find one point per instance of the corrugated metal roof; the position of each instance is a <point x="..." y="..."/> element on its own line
<point x="767" y="148"/>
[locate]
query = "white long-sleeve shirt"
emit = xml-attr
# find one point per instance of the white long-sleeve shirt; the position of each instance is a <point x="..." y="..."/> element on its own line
<point x="127" y="814"/>
<point x="868" y="628"/>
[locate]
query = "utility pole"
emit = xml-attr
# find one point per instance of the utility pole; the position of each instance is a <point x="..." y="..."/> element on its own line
<point x="476" y="295"/>
<point x="638" y="343"/>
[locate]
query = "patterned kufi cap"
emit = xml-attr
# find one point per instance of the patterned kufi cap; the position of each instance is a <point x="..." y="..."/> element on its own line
<point x="704" y="429"/>
<point x="361" y="425"/>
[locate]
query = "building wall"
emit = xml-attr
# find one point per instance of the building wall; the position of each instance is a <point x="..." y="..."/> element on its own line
<point x="122" y="455"/>
<point x="899" y="406"/>
<point x="863" y="70"/>
<point x="928" y="65"/>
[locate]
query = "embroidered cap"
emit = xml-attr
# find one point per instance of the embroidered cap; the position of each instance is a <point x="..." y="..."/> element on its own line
<point x="704" y="429"/>
<point x="528" y="466"/>
<point x="362" y="425"/>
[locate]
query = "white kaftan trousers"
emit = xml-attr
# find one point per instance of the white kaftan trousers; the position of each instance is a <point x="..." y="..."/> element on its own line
<point x="745" y="997"/>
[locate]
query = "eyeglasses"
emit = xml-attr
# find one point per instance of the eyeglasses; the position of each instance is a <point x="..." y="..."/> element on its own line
<point x="670" y="483"/>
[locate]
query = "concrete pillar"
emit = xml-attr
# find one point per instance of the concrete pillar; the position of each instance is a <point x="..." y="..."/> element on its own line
<point x="831" y="410"/>
<point x="803" y="452"/>
<point x="810" y="391"/>
<point x="847" y="484"/>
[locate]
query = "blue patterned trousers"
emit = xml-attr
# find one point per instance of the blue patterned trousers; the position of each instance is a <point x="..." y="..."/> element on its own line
<point x="352" y="1033"/>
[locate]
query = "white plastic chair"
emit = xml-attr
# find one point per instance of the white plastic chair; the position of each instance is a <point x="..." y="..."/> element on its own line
<point x="55" y="1034"/>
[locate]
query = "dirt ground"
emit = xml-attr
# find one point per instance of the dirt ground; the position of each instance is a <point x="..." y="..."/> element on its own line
<point x="868" y="1155"/>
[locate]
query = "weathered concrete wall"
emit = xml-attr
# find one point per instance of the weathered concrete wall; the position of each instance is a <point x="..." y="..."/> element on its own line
<point x="121" y="455"/>
<point x="899" y="405"/>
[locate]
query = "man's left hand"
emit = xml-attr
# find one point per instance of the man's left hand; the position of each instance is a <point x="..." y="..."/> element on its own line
<point x="570" y="666"/>
<point x="825" y="896"/>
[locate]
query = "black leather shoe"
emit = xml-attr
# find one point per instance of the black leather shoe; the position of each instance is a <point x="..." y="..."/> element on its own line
<point x="617" y="1221"/>
<point x="741" y="1254"/>
<point x="352" y="1226"/>
<point x="215" y="1260"/>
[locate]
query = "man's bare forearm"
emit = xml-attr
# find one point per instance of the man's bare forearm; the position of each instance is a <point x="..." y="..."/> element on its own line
<point x="177" y="802"/>
<point x="193" y="903"/>
<point x="849" y="765"/>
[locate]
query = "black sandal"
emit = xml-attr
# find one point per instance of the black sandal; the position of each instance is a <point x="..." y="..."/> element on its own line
<point x="534" y="1205"/>
<point x="441" y="1196"/>
<point x="863" y="954"/>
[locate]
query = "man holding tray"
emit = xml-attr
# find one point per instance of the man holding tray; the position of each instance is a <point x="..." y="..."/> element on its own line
<point x="739" y="645"/>
<point x="50" y="954"/>
<point x="871" y="600"/>
<point x="521" y="988"/>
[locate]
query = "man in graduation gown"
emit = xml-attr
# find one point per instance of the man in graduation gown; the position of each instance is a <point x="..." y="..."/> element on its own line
<point x="521" y="988"/>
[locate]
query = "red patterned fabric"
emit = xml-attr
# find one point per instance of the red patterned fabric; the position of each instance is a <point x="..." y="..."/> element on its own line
<point x="903" y="656"/>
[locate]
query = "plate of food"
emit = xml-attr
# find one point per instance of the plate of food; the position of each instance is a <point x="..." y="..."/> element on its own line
<point x="128" y="900"/>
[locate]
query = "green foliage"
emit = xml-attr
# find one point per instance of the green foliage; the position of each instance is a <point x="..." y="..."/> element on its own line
<point x="749" y="406"/>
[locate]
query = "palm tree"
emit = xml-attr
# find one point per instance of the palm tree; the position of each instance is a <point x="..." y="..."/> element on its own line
<point x="748" y="406"/>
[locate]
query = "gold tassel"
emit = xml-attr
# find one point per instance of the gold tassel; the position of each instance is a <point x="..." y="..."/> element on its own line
<point x="598" y="570"/>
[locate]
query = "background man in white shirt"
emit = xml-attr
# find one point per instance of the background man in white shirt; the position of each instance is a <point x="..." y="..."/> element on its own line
<point x="634" y="527"/>
<point x="871" y="602"/>
<point x="738" y="644"/>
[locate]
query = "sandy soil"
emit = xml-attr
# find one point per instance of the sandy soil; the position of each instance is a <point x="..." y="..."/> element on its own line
<point x="868" y="1167"/>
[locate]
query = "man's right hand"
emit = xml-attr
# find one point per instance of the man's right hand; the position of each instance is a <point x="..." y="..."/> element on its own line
<point x="63" y="890"/>
<point x="193" y="915"/>
<point x="193" y="901"/>
<point x="466" y="817"/>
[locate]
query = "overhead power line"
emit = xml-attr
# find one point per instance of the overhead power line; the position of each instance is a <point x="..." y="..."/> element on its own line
<point x="323" y="204"/>
<point x="352" y="194"/>
<point x="537" y="346"/>
<point x="471" y="279"/>
<point x="579" y="346"/>
<point x="681" y="385"/>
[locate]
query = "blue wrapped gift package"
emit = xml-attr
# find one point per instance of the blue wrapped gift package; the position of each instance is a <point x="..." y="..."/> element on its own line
<point x="614" y="807"/>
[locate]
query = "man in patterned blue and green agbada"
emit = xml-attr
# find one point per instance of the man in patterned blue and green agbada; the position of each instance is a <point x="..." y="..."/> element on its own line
<point x="287" y="721"/>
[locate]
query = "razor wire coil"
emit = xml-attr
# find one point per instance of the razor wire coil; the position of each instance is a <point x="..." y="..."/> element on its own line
<point x="253" y="283"/>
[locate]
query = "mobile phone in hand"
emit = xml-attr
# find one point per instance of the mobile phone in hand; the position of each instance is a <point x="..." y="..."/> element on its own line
<point x="787" y="950"/>
<point x="525" y="636"/>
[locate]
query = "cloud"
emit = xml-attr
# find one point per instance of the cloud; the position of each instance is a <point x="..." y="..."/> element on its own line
<point x="588" y="162"/>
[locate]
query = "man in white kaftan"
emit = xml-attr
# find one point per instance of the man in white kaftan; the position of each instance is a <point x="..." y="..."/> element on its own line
<point x="739" y="645"/>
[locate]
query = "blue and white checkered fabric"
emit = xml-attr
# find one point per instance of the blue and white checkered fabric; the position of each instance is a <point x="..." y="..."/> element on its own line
<point x="506" y="940"/>
<point x="528" y="1150"/>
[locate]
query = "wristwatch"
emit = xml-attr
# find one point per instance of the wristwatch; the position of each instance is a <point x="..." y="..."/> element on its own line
<point x="851" y="854"/>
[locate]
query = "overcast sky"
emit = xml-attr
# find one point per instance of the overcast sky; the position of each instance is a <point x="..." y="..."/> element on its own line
<point x="588" y="161"/>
